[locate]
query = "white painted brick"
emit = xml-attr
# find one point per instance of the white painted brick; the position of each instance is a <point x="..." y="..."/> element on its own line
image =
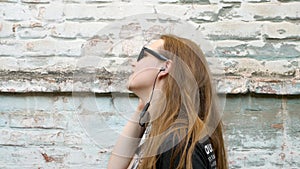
<point x="12" y="137"/>
<point x="39" y="86"/>
<point x="10" y="48"/>
<point x="173" y="10"/>
<point x="267" y="11"/>
<point x="243" y="1"/>
<point x="3" y="119"/>
<point x="45" y="137"/>
<point x="98" y="1"/>
<point x="33" y="23"/>
<point x="270" y="68"/>
<point x="282" y="30"/>
<point x="52" y="12"/>
<point x="214" y="1"/>
<point x="58" y="106"/>
<point x="16" y="12"/>
<point x="23" y="104"/>
<point x="204" y="13"/>
<point x="91" y="104"/>
<point x="197" y="13"/>
<point x="32" y="156"/>
<point x="39" y="64"/>
<point x="64" y="105"/>
<point x="168" y="1"/>
<point x="75" y="29"/>
<point x="63" y="157"/>
<point x="231" y="43"/>
<point x="78" y="157"/>
<point x="87" y="12"/>
<point x="283" y="87"/>
<point x="6" y="29"/>
<point x="234" y="48"/>
<point x="88" y="30"/>
<point x="20" y="104"/>
<point x="73" y="138"/>
<point x="72" y="1"/>
<point x="32" y="33"/>
<point x="27" y="156"/>
<point x="233" y="85"/>
<point x="36" y="1"/>
<point x="104" y="12"/>
<point x="274" y="50"/>
<point x="48" y="47"/>
<point x="65" y="30"/>
<point x="232" y="30"/>
<point x="90" y="155"/>
<point x="195" y="1"/>
<point x="97" y="46"/>
<point x="38" y="120"/>
<point x="12" y="1"/>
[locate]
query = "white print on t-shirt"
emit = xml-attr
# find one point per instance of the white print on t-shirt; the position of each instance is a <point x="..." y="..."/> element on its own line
<point x="210" y="154"/>
<point x="208" y="149"/>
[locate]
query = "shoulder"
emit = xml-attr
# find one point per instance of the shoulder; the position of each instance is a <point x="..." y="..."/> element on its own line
<point x="203" y="155"/>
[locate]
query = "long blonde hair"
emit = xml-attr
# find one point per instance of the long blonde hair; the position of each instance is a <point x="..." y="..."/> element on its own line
<point x="190" y="108"/>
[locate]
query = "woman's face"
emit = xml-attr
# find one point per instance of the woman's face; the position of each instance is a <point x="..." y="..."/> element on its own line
<point x="145" y="70"/>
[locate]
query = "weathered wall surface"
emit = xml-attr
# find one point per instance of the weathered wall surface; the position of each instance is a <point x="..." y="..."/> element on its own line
<point x="44" y="125"/>
<point x="79" y="131"/>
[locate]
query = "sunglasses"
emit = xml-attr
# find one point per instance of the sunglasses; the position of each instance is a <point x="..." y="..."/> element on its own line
<point x="157" y="55"/>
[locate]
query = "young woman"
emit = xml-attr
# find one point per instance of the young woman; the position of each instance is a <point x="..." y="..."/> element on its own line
<point x="177" y="123"/>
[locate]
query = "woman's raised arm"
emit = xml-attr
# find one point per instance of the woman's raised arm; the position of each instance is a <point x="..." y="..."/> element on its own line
<point x="127" y="142"/>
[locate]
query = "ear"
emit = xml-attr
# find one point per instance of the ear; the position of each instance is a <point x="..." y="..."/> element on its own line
<point x="167" y="66"/>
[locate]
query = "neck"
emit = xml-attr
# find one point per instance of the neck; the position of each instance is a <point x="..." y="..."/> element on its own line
<point x="145" y="93"/>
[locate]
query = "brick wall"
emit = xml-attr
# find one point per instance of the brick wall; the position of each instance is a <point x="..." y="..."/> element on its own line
<point x="54" y="108"/>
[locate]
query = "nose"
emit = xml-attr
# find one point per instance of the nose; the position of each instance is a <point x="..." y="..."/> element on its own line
<point x="132" y="63"/>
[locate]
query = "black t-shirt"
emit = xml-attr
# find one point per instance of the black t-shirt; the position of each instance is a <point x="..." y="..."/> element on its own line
<point x="203" y="157"/>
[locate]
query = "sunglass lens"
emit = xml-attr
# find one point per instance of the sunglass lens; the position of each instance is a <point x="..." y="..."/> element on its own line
<point x="141" y="55"/>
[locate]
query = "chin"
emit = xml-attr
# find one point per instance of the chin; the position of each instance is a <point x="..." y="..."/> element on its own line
<point x="129" y="87"/>
<point x="130" y="84"/>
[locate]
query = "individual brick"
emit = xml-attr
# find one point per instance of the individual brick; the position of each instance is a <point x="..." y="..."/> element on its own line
<point x="98" y="1"/>
<point x="6" y="29"/>
<point x="168" y="1"/>
<point x="38" y="120"/>
<point x="257" y="49"/>
<point x="72" y="30"/>
<point x="12" y="137"/>
<point x="3" y="119"/>
<point x="10" y="48"/>
<point x="52" y="12"/>
<point x="32" y="33"/>
<point x="111" y="11"/>
<point x="10" y="1"/>
<point x="237" y="30"/>
<point x="50" y="47"/>
<point x="36" y="1"/>
<point x="282" y="30"/>
<point x="197" y="13"/>
<point x="16" y="12"/>
<point x="266" y="11"/>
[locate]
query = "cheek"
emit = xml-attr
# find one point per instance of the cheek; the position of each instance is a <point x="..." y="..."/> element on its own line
<point x="140" y="80"/>
<point x="147" y="63"/>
